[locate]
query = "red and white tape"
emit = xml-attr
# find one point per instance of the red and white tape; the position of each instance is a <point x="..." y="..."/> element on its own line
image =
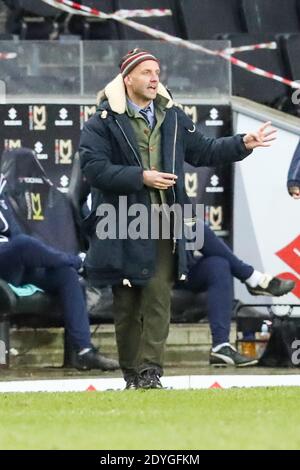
<point x="253" y="47"/>
<point x="76" y="8"/>
<point x="7" y="55"/>
<point x="70" y="6"/>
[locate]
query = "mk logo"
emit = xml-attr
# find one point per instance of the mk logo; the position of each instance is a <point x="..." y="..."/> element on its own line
<point x="88" y="111"/>
<point x="191" y="184"/>
<point x="85" y="113"/>
<point x="63" y="151"/>
<point x="36" y="206"/>
<point x="38" y="117"/>
<point x="215" y="217"/>
<point x="190" y="111"/>
<point x="10" y="144"/>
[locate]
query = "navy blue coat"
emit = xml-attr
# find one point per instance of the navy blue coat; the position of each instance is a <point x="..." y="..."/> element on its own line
<point x="294" y="170"/>
<point x="111" y="162"/>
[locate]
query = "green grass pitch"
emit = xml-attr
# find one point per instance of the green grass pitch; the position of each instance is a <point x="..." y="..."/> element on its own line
<point x="261" y="418"/>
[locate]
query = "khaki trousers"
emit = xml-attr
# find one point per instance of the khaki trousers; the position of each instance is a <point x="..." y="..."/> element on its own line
<point x="142" y="317"/>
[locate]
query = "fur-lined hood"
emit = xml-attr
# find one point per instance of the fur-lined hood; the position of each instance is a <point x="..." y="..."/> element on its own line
<point x="115" y="93"/>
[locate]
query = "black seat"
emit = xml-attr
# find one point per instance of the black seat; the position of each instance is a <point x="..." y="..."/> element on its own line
<point x="33" y="19"/>
<point x="37" y="310"/>
<point x="205" y="19"/>
<point x="167" y="24"/>
<point x="271" y="16"/>
<point x="38" y="28"/>
<point x="36" y="7"/>
<point x="291" y="48"/>
<point x="93" y="27"/>
<point x="56" y="225"/>
<point x="188" y="306"/>
<point x="254" y="87"/>
<point x="43" y="212"/>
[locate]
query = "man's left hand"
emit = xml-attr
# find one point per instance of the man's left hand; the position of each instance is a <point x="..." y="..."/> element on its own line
<point x="262" y="138"/>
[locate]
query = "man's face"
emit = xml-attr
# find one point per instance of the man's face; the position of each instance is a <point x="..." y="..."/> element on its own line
<point x="142" y="81"/>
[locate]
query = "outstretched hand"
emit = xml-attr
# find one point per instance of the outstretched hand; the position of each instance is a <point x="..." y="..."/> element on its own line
<point x="295" y="192"/>
<point x="262" y="138"/>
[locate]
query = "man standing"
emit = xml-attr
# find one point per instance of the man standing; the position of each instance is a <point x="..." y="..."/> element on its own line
<point x="135" y="146"/>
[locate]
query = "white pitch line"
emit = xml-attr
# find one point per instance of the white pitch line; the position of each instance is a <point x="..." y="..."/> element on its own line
<point x="184" y="382"/>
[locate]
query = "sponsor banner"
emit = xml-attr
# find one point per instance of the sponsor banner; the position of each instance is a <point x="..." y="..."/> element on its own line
<point x="53" y="132"/>
<point x="209" y="186"/>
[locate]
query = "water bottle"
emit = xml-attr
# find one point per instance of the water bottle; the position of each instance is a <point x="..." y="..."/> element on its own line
<point x="264" y="337"/>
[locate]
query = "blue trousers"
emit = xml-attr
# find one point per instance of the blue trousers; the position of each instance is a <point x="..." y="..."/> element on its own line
<point x="214" y="272"/>
<point x="26" y="260"/>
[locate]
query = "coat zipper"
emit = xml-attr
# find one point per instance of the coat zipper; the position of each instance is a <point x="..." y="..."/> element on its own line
<point x="128" y="142"/>
<point x="173" y="171"/>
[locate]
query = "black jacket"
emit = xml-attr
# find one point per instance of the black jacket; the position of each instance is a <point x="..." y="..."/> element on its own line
<point x="112" y="164"/>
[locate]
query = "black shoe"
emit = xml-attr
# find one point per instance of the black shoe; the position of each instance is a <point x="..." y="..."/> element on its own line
<point x="94" y="360"/>
<point x="149" y="378"/>
<point x="272" y="286"/>
<point x="228" y="356"/>
<point x="132" y="382"/>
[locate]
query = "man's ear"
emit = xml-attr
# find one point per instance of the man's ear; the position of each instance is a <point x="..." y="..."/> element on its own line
<point x="127" y="80"/>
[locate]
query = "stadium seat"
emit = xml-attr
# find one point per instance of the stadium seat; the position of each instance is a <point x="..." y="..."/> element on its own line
<point x="37" y="28"/>
<point x="92" y="27"/>
<point x="254" y="87"/>
<point x="291" y="48"/>
<point x="37" y="310"/>
<point x="271" y="16"/>
<point x="188" y="306"/>
<point x="33" y="19"/>
<point x="205" y="19"/>
<point x="167" y="24"/>
<point x="25" y="177"/>
<point x="34" y="6"/>
<point x="42" y="210"/>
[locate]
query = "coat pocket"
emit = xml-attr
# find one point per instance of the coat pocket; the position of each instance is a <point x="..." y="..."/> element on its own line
<point x="105" y="255"/>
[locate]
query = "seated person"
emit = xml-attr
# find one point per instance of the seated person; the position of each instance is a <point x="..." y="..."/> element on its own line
<point x="27" y="260"/>
<point x="293" y="182"/>
<point x="213" y="271"/>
